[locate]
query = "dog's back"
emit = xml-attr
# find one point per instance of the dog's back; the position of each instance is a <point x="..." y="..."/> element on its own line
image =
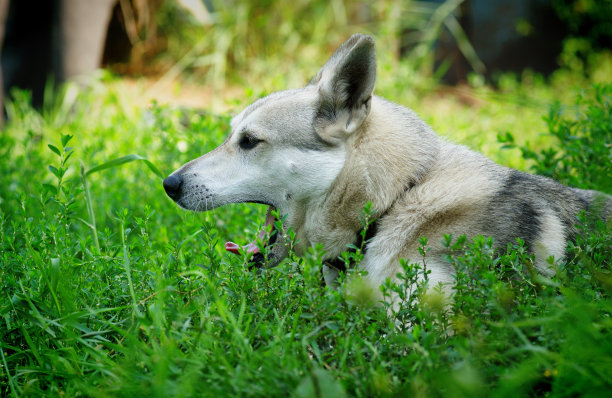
<point x="460" y="192"/>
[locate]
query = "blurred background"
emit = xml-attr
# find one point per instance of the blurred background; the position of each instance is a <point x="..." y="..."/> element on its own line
<point x="204" y="52"/>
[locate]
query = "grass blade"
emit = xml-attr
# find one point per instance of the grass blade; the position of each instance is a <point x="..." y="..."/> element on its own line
<point x="90" y="210"/>
<point x="8" y="374"/>
<point x="464" y="44"/>
<point x="126" y="264"/>
<point x="122" y="160"/>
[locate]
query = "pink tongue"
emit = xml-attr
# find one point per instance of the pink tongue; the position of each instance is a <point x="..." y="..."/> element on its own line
<point x="234" y="248"/>
<point x="252" y="247"/>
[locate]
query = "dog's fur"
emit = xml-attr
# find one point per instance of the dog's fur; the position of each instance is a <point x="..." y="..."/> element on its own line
<point x="319" y="153"/>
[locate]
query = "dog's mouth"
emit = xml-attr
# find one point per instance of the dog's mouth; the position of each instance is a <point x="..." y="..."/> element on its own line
<point x="267" y="237"/>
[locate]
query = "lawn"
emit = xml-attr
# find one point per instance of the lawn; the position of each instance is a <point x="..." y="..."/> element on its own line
<point x="109" y="289"/>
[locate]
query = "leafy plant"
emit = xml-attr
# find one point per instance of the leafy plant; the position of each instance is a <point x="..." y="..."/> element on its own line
<point x="151" y="304"/>
<point x="582" y="155"/>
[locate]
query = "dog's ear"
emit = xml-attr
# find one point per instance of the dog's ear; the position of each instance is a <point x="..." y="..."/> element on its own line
<point x="345" y="84"/>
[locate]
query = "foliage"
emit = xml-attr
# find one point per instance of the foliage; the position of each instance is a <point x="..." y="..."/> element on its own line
<point x="588" y="21"/>
<point x="582" y="155"/>
<point x="237" y="43"/>
<point x="149" y="304"/>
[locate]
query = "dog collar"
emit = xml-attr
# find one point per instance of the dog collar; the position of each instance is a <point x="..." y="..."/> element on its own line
<point x="339" y="264"/>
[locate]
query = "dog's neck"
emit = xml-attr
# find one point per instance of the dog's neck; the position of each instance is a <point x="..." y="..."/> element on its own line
<point x="374" y="171"/>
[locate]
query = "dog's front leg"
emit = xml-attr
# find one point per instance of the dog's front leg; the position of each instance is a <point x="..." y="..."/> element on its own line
<point x="330" y="276"/>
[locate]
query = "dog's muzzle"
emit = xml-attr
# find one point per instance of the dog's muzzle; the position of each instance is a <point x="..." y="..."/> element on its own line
<point x="172" y="186"/>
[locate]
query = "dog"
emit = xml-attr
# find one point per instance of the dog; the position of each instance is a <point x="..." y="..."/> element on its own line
<point x="318" y="154"/>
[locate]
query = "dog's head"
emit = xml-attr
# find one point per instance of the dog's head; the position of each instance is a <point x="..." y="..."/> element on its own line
<point x="286" y="150"/>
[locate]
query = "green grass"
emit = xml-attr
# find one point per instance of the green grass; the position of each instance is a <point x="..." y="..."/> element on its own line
<point x="108" y="289"/>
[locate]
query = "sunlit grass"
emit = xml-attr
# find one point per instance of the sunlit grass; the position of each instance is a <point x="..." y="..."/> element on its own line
<point x="152" y="304"/>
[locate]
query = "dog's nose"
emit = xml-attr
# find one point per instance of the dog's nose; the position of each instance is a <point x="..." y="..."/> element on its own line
<point x="172" y="185"/>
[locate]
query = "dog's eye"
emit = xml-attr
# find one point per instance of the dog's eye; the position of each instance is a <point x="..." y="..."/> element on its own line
<point x="248" y="142"/>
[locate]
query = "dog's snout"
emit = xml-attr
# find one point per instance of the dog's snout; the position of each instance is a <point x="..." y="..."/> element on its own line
<point x="172" y="185"/>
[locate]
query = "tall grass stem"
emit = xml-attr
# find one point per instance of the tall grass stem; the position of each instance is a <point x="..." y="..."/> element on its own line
<point x="8" y="374"/>
<point x="90" y="210"/>
<point x="126" y="264"/>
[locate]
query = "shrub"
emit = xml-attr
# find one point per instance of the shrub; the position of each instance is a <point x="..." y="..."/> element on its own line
<point x="582" y="155"/>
